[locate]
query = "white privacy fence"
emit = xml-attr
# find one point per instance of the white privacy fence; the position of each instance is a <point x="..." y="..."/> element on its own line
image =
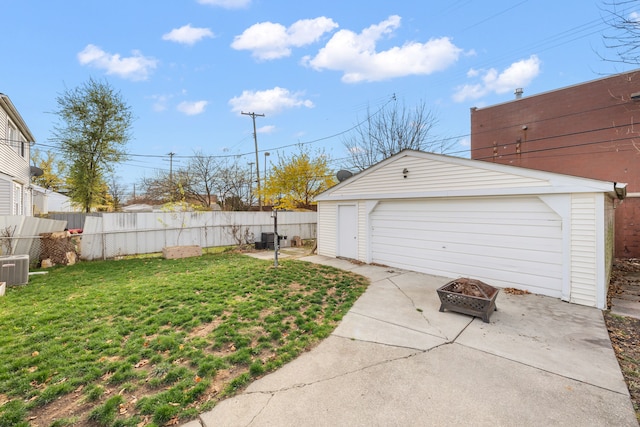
<point x="117" y="234"/>
<point x="20" y="235"/>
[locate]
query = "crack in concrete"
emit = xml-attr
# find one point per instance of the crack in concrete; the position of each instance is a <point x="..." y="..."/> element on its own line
<point x="418" y="309"/>
<point x="350" y="372"/>
<point x="394" y="324"/>
<point x="271" y="396"/>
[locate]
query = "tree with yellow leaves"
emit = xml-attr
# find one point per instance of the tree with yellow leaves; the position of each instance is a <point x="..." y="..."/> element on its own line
<point x="297" y="179"/>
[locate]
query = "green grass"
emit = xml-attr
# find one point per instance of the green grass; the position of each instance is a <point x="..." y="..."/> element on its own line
<point x="177" y="334"/>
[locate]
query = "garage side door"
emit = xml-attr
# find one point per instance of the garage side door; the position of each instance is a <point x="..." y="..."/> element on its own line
<point x="506" y="242"/>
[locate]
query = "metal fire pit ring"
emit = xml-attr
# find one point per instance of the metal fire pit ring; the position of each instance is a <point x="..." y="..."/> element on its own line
<point x="468" y="296"/>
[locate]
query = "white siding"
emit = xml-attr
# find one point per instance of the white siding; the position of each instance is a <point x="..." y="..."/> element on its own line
<point x="506" y="241"/>
<point x="5" y="196"/>
<point x="584" y="259"/>
<point x="430" y="175"/>
<point x="14" y="165"/>
<point x="363" y="241"/>
<point x="327" y="231"/>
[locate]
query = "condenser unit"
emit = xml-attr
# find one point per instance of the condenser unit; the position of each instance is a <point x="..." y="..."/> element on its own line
<point x="14" y="269"/>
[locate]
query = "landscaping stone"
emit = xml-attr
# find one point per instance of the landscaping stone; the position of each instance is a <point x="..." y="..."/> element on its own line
<point x="174" y="252"/>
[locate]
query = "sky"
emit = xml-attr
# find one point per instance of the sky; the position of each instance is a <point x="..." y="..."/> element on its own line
<point x="311" y="71"/>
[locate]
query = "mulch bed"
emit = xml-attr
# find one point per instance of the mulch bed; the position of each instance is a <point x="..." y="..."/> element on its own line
<point x="625" y="331"/>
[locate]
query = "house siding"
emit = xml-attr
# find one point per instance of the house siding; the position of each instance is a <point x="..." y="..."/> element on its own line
<point x="584" y="259"/>
<point x="6" y="198"/>
<point x="14" y="167"/>
<point x="363" y="234"/>
<point x="327" y="228"/>
<point x="425" y="175"/>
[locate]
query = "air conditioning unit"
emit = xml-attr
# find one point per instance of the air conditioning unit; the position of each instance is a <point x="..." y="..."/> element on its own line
<point x="14" y="269"/>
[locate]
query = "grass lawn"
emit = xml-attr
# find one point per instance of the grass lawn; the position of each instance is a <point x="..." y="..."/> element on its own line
<point x="150" y="341"/>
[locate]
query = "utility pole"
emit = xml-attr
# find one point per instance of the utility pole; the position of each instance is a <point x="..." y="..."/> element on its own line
<point x="171" y="154"/>
<point x="255" y="141"/>
<point x="250" y="183"/>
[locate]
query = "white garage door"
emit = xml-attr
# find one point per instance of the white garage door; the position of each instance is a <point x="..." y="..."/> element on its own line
<point x="505" y="242"/>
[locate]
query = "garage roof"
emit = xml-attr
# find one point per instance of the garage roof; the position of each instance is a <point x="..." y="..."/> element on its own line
<point x="411" y="174"/>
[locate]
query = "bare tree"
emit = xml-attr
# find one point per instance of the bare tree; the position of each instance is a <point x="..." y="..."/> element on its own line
<point x="624" y="37"/>
<point x="159" y="189"/>
<point x="117" y="191"/>
<point x="392" y="129"/>
<point x="198" y="179"/>
<point x="234" y="185"/>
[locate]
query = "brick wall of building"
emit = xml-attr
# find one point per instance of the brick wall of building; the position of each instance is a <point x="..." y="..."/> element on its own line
<point x="590" y="130"/>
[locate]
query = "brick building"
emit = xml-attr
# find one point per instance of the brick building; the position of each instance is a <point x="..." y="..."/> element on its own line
<point x="585" y="130"/>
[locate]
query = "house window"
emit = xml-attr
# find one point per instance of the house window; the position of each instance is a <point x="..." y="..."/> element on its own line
<point x="18" y="198"/>
<point x="16" y="141"/>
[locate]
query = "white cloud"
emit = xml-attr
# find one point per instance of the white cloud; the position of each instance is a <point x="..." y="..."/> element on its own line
<point x="268" y="40"/>
<point x="135" y="67"/>
<point x="518" y="74"/>
<point x="266" y="129"/>
<point x="160" y="102"/>
<point x="227" y="4"/>
<point x="356" y="56"/>
<point x="187" y="34"/>
<point x="192" y="108"/>
<point x="271" y="101"/>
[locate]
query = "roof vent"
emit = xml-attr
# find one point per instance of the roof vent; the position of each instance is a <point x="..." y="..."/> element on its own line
<point x="518" y="93"/>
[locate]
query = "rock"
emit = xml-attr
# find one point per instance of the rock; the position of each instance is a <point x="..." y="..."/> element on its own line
<point x="71" y="258"/>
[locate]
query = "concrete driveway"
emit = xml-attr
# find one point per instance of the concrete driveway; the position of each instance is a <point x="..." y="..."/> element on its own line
<point x="395" y="360"/>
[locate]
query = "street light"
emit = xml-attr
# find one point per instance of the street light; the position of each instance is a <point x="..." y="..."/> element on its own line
<point x="266" y="154"/>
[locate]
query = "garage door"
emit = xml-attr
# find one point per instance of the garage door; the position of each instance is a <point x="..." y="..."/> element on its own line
<point x="506" y="242"/>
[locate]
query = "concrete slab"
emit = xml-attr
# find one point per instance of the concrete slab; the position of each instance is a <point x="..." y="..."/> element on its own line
<point x="334" y="357"/>
<point x="566" y="339"/>
<point x="449" y="385"/>
<point x="624" y="307"/>
<point x="267" y="255"/>
<point x="401" y="310"/>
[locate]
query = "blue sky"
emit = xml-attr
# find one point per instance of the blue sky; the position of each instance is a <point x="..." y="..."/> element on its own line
<point x="188" y="68"/>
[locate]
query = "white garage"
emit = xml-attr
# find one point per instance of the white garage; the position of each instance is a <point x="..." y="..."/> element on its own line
<point x="547" y="233"/>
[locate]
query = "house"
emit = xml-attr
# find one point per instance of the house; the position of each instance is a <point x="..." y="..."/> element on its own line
<point x="585" y="130"/>
<point x="547" y="233"/>
<point x="48" y="201"/>
<point x="15" y="172"/>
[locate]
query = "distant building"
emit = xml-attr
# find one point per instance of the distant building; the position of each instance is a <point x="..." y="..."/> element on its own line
<point x="15" y="172"/>
<point x="585" y="130"/>
<point x="48" y="201"/>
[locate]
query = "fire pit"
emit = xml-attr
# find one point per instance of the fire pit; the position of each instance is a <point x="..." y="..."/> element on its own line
<point x="469" y="296"/>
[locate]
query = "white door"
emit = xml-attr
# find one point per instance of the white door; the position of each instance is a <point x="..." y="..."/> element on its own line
<point x="503" y="241"/>
<point x="347" y="231"/>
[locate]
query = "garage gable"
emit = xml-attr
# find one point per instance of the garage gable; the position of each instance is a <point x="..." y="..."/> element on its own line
<point x="411" y="174"/>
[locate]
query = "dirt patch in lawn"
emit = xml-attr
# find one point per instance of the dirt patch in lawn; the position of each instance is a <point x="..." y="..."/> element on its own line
<point x="625" y="331"/>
